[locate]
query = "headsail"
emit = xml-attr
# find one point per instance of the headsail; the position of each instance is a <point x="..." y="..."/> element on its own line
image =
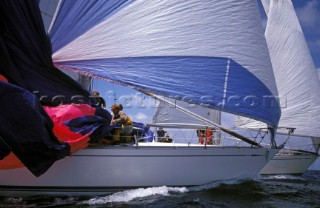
<point x="167" y="114"/>
<point x="222" y="61"/>
<point x="294" y="70"/>
<point x="296" y="76"/>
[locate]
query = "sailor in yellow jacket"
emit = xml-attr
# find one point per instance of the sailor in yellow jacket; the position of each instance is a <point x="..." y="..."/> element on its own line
<point x="126" y="124"/>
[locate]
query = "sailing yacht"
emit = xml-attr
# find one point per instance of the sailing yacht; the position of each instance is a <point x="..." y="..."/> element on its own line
<point x="208" y="52"/>
<point x="297" y="82"/>
<point x="298" y="86"/>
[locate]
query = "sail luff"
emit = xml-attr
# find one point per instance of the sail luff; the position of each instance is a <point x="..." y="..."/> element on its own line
<point x="266" y="5"/>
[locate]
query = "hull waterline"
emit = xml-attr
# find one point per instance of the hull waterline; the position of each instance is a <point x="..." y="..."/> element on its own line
<point x="289" y="164"/>
<point x="99" y="170"/>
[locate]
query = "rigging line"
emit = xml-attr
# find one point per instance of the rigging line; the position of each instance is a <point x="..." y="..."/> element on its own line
<point x="55" y="15"/>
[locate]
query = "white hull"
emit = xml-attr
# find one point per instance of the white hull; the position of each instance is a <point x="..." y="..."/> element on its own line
<point x="118" y="167"/>
<point x="289" y="164"/>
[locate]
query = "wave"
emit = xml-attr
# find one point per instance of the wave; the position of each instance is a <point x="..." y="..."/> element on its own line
<point x="133" y="194"/>
<point x="129" y="195"/>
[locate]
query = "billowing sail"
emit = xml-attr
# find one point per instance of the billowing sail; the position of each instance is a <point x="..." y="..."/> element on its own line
<point x="28" y="137"/>
<point x="169" y="113"/>
<point x="48" y="8"/>
<point x="296" y="76"/>
<point x="212" y="52"/>
<point x="294" y="70"/>
<point x="25" y="130"/>
<point x="26" y="54"/>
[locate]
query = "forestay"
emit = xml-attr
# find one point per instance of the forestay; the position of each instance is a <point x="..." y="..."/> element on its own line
<point x="211" y="51"/>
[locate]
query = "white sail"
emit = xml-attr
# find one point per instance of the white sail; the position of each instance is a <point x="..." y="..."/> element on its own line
<point x="168" y="114"/>
<point x="297" y="86"/>
<point x="296" y="76"/>
<point x="295" y="73"/>
<point x="248" y="123"/>
<point x="266" y="5"/>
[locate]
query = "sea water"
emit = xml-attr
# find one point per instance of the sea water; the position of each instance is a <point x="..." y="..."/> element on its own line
<point x="270" y="191"/>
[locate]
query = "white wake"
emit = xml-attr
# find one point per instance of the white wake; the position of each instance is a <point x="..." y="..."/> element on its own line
<point x="129" y="195"/>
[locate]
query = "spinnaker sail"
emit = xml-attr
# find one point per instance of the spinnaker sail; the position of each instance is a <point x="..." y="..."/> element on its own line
<point x="222" y="62"/>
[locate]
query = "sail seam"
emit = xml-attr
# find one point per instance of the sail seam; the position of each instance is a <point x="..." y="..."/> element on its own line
<point x="225" y="84"/>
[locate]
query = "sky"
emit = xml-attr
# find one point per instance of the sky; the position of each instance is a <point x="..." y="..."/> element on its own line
<point x="308" y="12"/>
